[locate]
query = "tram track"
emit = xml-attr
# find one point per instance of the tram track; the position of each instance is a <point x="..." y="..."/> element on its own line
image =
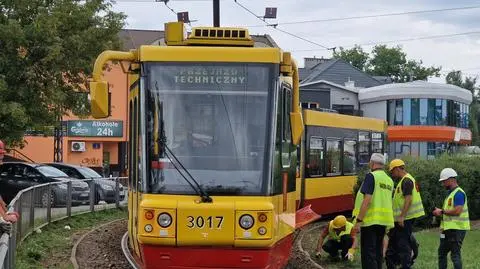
<point x="126" y="252"/>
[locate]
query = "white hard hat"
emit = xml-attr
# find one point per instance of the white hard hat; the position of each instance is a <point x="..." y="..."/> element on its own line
<point x="447" y="173"/>
<point x="377" y="158"/>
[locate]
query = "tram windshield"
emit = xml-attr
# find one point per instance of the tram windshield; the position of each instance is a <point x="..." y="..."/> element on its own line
<point x="214" y="119"/>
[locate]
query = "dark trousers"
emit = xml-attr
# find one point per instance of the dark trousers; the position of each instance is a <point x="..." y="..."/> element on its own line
<point x="399" y="251"/>
<point x="332" y="247"/>
<point x="451" y="243"/>
<point x="371" y="246"/>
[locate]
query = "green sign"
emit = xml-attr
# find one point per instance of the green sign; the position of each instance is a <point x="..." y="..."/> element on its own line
<point x="94" y="128"/>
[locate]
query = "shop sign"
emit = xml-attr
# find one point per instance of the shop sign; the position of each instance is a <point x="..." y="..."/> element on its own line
<point x="94" y="128"/>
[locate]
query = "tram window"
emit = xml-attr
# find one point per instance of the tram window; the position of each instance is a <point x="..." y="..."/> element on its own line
<point x="286" y="129"/>
<point x="363" y="148"/>
<point x="333" y="157"/>
<point x="288" y="108"/>
<point x="315" y="158"/>
<point x="349" y="157"/>
<point x="130" y="155"/>
<point x="377" y="142"/>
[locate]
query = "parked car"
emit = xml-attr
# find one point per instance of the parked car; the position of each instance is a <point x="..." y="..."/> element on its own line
<point x="104" y="188"/>
<point x="16" y="176"/>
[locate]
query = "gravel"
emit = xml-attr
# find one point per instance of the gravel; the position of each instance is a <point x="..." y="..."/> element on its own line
<point x="101" y="248"/>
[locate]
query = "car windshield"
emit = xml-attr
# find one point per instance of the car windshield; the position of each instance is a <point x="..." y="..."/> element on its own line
<point x="213" y="118"/>
<point x="88" y="172"/>
<point x="49" y="171"/>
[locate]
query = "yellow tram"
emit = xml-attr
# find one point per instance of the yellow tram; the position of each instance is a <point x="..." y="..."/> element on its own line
<point x="334" y="147"/>
<point x="214" y="124"/>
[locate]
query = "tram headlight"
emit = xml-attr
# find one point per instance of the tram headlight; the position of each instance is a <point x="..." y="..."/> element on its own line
<point x="164" y="220"/>
<point x="246" y="221"/>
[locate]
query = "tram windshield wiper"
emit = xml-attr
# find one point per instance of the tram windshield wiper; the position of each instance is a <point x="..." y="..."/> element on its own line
<point x="166" y="151"/>
<point x="203" y="194"/>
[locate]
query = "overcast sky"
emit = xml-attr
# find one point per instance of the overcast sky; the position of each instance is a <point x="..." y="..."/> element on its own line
<point x="458" y="52"/>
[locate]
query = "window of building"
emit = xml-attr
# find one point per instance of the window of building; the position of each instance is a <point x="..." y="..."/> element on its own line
<point x="444" y="112"/>
<point x="457" y="111"/>
<point x="431" y="111"/>
<point x="423" y="148"/>
<point x="451" y="113"/>
<point x="467" y="112"/>
<point x="423" y="111"/>
<point x="439" y="118"/>
<point x="391" y="112"/>
<point x="315" y="157"/>
<point x="415" y="112"/>
<point x="333" y="157"/>
<point x="414" y="149"/>
<point x="399" y="112"/>
<point x="431" y="150"/>
<point x="363" y="148"/>
<point x="349" y="156"/>
<point x="310" y="105"/>
<point x="407" y="111"/>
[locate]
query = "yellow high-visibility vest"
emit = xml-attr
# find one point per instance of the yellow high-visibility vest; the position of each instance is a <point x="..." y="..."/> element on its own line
<point x="380" y="211"/>
<point x="416" y="208"/>
<point x="461" y="222"/>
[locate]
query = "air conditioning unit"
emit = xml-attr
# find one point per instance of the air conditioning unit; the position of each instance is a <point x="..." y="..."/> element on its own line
<point x="78" y="146"/>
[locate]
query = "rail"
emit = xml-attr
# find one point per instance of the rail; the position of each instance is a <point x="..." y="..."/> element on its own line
<point x="42" y="204"/>
<point x="25" y="157"/>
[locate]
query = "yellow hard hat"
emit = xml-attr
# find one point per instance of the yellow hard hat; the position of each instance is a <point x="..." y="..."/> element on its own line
<point x="339" y="222"/>
<point x="396" y="163"/>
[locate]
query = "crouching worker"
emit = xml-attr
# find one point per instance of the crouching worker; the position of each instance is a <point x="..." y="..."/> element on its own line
<point x="340" y="238"/>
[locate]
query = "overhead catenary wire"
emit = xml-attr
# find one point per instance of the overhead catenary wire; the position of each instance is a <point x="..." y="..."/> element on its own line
<point x="281" y="30"/>
<point x="401" y="40"/>
<point x="158" y="1"/>
<point x="373" y="16"/>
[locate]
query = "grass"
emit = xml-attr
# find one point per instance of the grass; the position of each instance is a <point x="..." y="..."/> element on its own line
<point x="428" y="258"/>
<point x="53" y="246"/>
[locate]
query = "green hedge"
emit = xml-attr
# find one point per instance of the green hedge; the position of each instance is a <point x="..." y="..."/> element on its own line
<point x="427" y="173"/>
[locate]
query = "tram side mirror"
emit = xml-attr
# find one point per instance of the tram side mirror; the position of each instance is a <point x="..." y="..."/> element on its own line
<point x="99" y="99"/>
<point x="296" y="120"/>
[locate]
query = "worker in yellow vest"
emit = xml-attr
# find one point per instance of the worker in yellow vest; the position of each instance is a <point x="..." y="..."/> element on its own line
<point x="373" y="212"/>
<point x="340" y="238"/>
<point x="407" y="206"/>
<point x="455" y="220"/>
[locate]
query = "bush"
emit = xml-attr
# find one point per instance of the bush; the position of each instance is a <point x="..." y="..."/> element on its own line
<point x="427" y="173"/>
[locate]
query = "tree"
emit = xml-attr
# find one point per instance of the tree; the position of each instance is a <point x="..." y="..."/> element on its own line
<point x="389" y="62"/>
<point x="392" y="62"/>
<point x="47" y="51"/>
<point x="355" y="56"/>
<point x="469" y="83"/>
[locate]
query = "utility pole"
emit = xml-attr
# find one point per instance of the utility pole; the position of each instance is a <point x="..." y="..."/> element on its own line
<point x="216" y="13"/>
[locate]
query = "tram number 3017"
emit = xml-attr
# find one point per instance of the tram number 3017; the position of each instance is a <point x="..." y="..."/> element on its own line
<point x="207" y="222"/>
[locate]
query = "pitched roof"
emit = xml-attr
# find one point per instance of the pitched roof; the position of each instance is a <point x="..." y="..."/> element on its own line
<point x="318" y="69"/>
<point x="339" y="71"/>
<point x="133" y="38"/>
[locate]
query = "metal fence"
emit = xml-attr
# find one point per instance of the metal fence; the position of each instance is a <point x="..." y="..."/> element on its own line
<point x="39" y="205"/>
